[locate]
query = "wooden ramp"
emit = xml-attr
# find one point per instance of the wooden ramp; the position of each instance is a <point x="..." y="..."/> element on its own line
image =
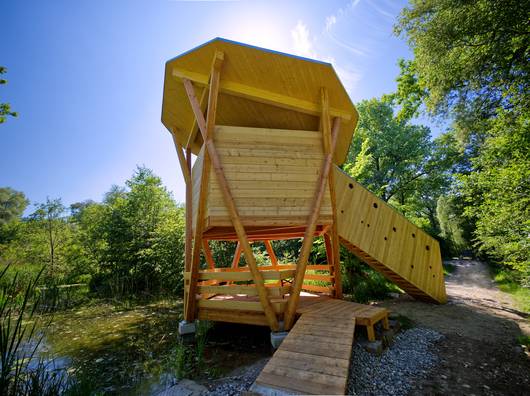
<point x="384" y="239"/>
<point x="315" y="356"/>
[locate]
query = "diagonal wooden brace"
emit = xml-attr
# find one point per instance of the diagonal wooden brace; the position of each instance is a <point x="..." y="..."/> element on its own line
<point x="206" y="128"/>
<point x="330" y="141"/>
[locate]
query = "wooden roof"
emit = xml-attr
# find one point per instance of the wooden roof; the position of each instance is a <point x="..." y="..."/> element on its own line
<point x="259" y="88"/>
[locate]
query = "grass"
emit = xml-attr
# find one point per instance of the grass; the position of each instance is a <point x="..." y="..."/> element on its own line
<point x="449" y="268"/>
<point x="507" y="282"/>
<point x="405" y="322"/>
<point x="524" y="340"/>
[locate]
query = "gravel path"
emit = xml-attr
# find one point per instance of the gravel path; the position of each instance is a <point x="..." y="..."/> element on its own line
<point x="409" y="358"/>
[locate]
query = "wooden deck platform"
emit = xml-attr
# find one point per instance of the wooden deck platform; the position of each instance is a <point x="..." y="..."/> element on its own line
<point x="225" y="308"/>
<point x="315" y="356"/>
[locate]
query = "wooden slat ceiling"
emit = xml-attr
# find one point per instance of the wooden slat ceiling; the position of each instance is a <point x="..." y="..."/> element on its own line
<point x="258" y="69"/>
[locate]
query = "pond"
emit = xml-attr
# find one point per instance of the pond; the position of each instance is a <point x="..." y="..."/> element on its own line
<point x="114" y="349"/>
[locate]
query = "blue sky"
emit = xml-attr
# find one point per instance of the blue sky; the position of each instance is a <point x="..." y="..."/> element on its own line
<point x="86" y="77"/>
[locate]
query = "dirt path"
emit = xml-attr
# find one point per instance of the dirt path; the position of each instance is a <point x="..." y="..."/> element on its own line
<point x="479" y="353"/>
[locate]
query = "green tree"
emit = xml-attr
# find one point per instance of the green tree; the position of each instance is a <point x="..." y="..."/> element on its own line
<point x="12" y="204"/>
<point x="470" y="56"/>
<point x="51" y="228"/>
<point x="5" y="108"/>
<point x="497" y="193"/>
<point x="471" y="66"/>
<point x="387" y="155"/>
<point x="140" y="231"/>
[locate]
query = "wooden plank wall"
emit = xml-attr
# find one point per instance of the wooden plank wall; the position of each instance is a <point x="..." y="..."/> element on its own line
<point x="382" y="236"/>
<point x="272" y="175"/>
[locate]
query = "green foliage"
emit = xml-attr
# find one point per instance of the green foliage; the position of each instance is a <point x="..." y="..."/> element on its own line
<point x="400" y="163"/>
<point x="471" y="66"/>
<point x="387" y="155"/>
<point x="12" y="205"/>
<point x="455" y="230"/>
<point x="5" y="108"/>
<point x="470" y="56"/>
<point x="130" y="244"/>
<point x="409" y="95"/>
<point x="361" y="282"/>
<point x="187" y="359"/>
<point x="510" y="282"/>
<point x="137" y="237"/>
<point x="497" y="193"/>
<point x="19" y="340"/>
<point x="51" y="233"/>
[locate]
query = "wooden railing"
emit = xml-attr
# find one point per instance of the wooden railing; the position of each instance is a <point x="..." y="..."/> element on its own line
<point x="228" y="284"/>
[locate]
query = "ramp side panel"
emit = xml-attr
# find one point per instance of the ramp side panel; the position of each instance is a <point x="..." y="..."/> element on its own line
<point x="388" y="238"/>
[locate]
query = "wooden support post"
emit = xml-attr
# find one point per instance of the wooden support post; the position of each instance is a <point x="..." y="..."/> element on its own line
<point x="270" y="252"/>
<point x="208" y="254"/>
<point x="237" y="255"/>
<point x="329" y="148"/>
<point x="329" y="249"/>
<point x="190" y="291"/>
<point x="185" y="166"/>
<point x="335" y="245"/>
<point x="206" y="127"/>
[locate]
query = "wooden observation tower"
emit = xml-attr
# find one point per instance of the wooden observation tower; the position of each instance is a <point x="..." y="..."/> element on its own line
<point x="269" y="130"/>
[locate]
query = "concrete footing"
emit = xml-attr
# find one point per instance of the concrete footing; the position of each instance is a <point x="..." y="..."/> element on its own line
<point x="277" y="337"/>
<point x="187" y="331"/>
<point x="186" y="327"/>
<point x="374" y="347"/>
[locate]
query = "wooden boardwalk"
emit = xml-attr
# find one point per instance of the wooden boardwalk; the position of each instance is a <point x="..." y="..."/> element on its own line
<point x="315" y="356"/>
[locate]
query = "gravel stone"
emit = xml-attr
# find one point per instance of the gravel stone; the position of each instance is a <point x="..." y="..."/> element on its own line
<point x="237" y="383"/>
<point x="410" y="357"/>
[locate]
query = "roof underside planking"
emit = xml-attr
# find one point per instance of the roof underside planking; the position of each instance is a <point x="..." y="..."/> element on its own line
<point x="259" y="88"/>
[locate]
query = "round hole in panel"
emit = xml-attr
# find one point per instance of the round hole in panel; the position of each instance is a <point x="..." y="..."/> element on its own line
<point x="368" y="225"/>
<point x="394" y="229"/>
<point x="375" y="205"/>
<point x="412" y="266"/>
<point x="427" y="247"/>
<point x="351" y="186"/>
<point x="386" y="238"/>
<point x="413" y="235"/>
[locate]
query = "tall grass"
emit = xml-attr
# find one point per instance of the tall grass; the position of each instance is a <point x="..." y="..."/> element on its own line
<point x="22" y="372"/>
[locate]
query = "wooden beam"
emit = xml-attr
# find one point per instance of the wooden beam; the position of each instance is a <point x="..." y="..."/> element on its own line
<point x="237" y="255"/>
<point x="189" y="214"/>
<point x="315" y="210"/>
<point x="208" y="254"/>
<point x="186" y="173"/>
<point x="270" y="252"/>
<point x="194" y="129"/>
<point x="335" y="244"/>
<point x="261" y="95"/>
<point x="329" y="249"/>
<point x="190" y="289"/>
<point x="206" y="127"/>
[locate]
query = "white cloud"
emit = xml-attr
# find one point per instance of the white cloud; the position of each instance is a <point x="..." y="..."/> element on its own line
<point x="302" y="43"/>
<point x="330" y="21"/>
<point x="303" y="46"/>
<point x="349" y="78"/>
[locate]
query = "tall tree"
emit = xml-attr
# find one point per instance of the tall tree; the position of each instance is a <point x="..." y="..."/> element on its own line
<point x="50" y="220"/>
<point x="5" y="108"/>
<point x="12" y="204"/>
<point x="470" y="56"/>
<point x="387" y="155"/>
<point x="471" y="66"/>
